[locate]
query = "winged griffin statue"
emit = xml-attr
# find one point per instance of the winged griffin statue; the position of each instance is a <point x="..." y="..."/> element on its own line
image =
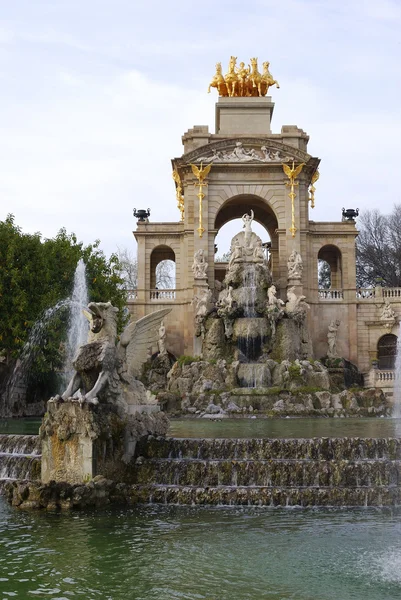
<point x="106" y="372"/>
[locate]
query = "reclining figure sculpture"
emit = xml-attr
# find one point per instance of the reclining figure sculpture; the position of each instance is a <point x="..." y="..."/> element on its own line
<point x="106" y="371"/>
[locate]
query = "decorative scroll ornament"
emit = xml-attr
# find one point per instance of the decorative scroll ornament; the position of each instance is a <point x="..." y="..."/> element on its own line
<point x="178" y="193"/>
<point x="242" y="80"/>
<point x="200" y="175"/>
<point x="292" y="173"/>
<point x="312" y="188"/>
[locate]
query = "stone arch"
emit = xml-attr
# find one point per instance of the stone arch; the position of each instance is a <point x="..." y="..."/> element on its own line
<point x="264" y="213"/>
<point x="386" y="351"/>
<point x="236" y="206"/>
<point x="159" y="254"/>
<point x="332" y="255"/>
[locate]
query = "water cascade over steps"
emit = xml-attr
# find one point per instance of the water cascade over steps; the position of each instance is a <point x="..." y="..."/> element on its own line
<point x="272" y="472"/>
<point x="19" y="457"/>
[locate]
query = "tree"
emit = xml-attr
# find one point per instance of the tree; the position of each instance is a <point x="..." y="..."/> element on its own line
<point x="324" y="274"/>
<point x="129" y="268"/>
<point x="165" y="275"/>
<point x="36" y="274"/>
<point x="378" y="249"/>
<point x="225" y="257"/>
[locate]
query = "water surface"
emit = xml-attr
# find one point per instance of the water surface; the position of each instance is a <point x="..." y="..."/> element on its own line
<point x="253" y="428"/>
<point x="195" y="553"/>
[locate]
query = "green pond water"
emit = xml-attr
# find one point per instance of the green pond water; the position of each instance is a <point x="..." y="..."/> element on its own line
<point x="195" y="553"/>
<point x="162" y="553"/>
<point x="251" y="428"/>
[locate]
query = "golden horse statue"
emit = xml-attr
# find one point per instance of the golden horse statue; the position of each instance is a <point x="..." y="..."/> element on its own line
<point x="218" y="82"/>
<point x="267" y="79"/>
<point x="231" y="78"/>
<point x="242" y="80"/>
<point x="255" y="79"/>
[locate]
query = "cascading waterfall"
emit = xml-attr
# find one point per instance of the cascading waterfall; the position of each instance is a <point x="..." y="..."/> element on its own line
<point x="19" y="457"/>
<point x="275" y="471"/>
<point x="78" y="324"/>
<point x="249" y="290"/>
<point x="78" y="328"/>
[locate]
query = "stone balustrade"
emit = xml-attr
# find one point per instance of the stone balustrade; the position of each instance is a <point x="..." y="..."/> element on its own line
<point x="162" y="295"/>
<point x="385" y="376"/>
<point x="331" y="294"/>
<point x="132" y="295"/>
<point x="391" y="292"/>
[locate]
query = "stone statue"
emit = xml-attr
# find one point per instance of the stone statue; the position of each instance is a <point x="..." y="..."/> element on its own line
<point x="295" y="266"/>
<point x="161" y="342"/>
<point x="332" y="339"/>
<point x="236" y="254"/>
<point x="258" y="252"/>
<point x="106" y="372"/>
<point x="272" y="299"/>
<point x="225" y="301"/>
<point x="201" y="302"/>
<point x="247" y="220"/>
<point x="296" y="306"/>
<point x="274" y="308"/>
<point x="199" y="266"/>
<point x="388" y="317"/>
<point x="387" y="313"/>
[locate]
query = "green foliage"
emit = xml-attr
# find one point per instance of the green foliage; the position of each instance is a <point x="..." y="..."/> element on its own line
<point x="187" y="360"/>
<point x="37" y="273"/>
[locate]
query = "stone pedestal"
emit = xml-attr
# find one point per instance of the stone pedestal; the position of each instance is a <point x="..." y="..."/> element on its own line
<point x="244" y="115"/>
<point x="81" y="441"/>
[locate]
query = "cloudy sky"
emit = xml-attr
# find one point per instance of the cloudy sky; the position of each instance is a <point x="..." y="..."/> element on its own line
<point x="95" y="95"/>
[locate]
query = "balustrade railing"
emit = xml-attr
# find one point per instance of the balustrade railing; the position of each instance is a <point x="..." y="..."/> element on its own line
<point x="363" y="293"/>
<point x="391" y="292"/>
<point x="385" y="376"/>
<point x="132" y="294"/>
<point x="162" y="295"/>
<point x="330" y="294"/>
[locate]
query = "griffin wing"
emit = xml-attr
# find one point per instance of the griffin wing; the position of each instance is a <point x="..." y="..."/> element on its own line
<point x="287" y="170"/>
<point x="205" y="172"/>
<point x="195" y="171"/>
<point x="315" y="176"/>
<point x="298" y="170"/>
<point x="138" y="336"/>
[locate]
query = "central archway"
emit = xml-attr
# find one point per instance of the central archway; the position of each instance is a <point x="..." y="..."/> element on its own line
<point x="235" y="208"/>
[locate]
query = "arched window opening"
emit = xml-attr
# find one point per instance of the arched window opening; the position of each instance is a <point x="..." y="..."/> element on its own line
<point x="330" y="267"/>
<point x="162" y="273"/>
<point x="386" y="351"/>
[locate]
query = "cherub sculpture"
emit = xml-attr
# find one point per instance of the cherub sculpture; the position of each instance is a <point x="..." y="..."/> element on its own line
<point x="199" y="266"/>
<point x="105" y="371"/>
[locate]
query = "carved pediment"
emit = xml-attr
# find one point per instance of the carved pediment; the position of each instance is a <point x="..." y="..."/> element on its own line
<point x="244" y="150"/>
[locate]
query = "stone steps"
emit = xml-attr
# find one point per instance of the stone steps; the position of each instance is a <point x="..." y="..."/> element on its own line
<point x="266" y="496"/>
<point x="269" y="472"/>
<point x="272" y="448"/>
<point x="281" y="472"/>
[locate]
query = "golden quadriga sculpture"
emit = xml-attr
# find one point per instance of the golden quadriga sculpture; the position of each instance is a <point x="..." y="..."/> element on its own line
<point x="242" y="80"/>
